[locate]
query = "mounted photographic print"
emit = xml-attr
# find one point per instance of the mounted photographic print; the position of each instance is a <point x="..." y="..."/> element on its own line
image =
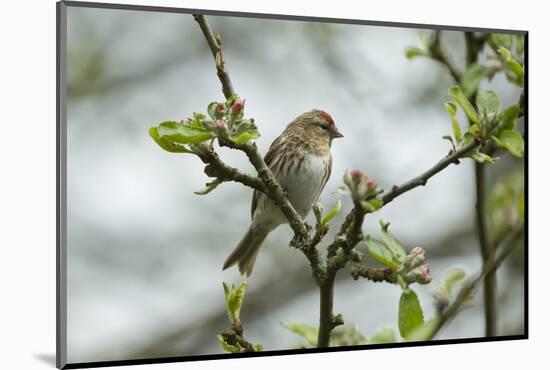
<point x="236" y="185"/>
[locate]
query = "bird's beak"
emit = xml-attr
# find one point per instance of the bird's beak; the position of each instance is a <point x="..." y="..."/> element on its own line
<point x="335" y="134"/>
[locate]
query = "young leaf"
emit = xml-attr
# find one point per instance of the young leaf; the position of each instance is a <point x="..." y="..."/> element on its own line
<point x="414" y="52"/>
<point x="488" y="104"/>
<point x="512" y="65"/>
<point x="456" y="93"/>
<point x="209" y="187"/>
<point x="508" y="117"/>
<point x="511" y="140"/>
<point x="425" y="331"/>
<point x="393" y="244"/>
<point x="410" y="313"/>
<point x="501" y="39"/>
<point x="471" y="78"/>
<point x="346" y="335"/>
<point x="381" y="253"/>
<point x="234" y="300"/>
<point x="165" y="144"/>
<point x="333" y="212"/>
<point x="309" y="333"/>
<point x="383" y="335"/>
<point x="183" y="134"/>
<point x="229" y="347"/>
<point x="372" y="205"/>
<point x="451" y="108"/>
<point x="246" y="130"/>
<point x="482" y="157"/>
<point x="452" y="277"/>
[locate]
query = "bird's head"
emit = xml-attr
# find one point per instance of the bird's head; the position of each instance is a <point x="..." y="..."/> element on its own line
<point x="317" y="126"/>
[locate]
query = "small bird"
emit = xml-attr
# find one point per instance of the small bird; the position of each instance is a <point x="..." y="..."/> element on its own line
<point x="300" y="159"/>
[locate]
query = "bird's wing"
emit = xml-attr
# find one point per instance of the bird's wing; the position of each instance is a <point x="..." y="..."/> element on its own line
<point x="269" y="160"/>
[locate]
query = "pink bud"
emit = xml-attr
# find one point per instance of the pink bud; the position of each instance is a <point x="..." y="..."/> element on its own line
<point x="357" y="174"/>
<point x="237" y="106"/>
<point x="218" y="123"/>
<point x="371" y="184"/>
<point x="220" y="107"/>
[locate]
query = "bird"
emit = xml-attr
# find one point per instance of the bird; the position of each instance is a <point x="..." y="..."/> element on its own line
<point x="301" y="161"/>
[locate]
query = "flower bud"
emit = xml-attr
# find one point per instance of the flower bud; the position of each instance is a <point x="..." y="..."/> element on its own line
<point x="357" y="174"/>
<point x="421" y="275"/>
<point x="416" y="258"/>
<point x="371" y="184"/>
<point x="237" y="106"/>
<point x="218" y="123"/>
<point x="220" y="108"/>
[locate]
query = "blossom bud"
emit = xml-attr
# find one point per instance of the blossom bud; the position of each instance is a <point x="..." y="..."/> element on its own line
<point x="371" y="184"/>
<point x="357" y="174"/>
<point x="415" y="258"/>
<point x="218" y="123"/>
<point x="220" y="107"/>
<point x="421" y="275"/>
<point x="237" y="106"/>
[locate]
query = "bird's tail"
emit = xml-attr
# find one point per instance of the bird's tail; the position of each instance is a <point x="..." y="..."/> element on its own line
<point x="247" y="250"/>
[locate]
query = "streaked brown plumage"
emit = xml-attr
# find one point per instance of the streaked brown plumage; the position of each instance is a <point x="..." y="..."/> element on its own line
<point x="301" y="161"/>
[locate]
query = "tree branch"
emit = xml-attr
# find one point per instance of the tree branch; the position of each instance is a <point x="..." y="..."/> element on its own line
<point x="423" y="178"/>
<point x="490" y="268"/>
<point x="439" y="54"/>
<point x="215" y="45"/>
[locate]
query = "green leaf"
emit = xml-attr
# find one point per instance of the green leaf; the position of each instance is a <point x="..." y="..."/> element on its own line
<point x="414" y="52"/>
<point x="456" y="93"/>
<point x="229" y="347"/>
<point x="468" y="138"/>
<point x="381" y="253"/>
<point x="309" y="333"/>
<point x="488" y="104"/>
<point x="482" y="157"/>
<point x="512" y="65"/>
<point x="391" y="241"/>
<point x="452" y="277"/>
<point x="500" y="39"/>
<point x="212" y="112"/>
<point x="451" y="109"/>
<point x="410" y="313"/>
<point x="472" y="78"/>
<point x="209" y="187"/>
<point x="383" y="335"/>
<point x="165" y="144"/>
<point x="424" y="332"/>
<point x="234" y="300"/>
<point x="183" y="134"/>
<point x="258" y="347"/>
<point x="372" y="205"/>
<point x="246" y="130"/>
<point x="508" y="117"/>
<point x="332" y="213"/>
<point x="511" y="140"/>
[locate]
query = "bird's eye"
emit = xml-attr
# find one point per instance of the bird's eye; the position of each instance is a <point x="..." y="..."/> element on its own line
<point x="324" y="127"/>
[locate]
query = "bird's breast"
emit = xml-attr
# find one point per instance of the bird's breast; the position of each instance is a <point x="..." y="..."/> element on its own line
<point x="305" y="183"/>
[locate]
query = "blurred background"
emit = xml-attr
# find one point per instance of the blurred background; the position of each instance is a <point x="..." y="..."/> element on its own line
<point x="145" y="253"/>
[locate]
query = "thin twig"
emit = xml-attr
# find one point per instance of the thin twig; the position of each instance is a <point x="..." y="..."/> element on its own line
<point x="467" y="290"/>
<point x="440" y="54"/>
<point x="215" y="44"/>
<point x="423" y="178"/>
